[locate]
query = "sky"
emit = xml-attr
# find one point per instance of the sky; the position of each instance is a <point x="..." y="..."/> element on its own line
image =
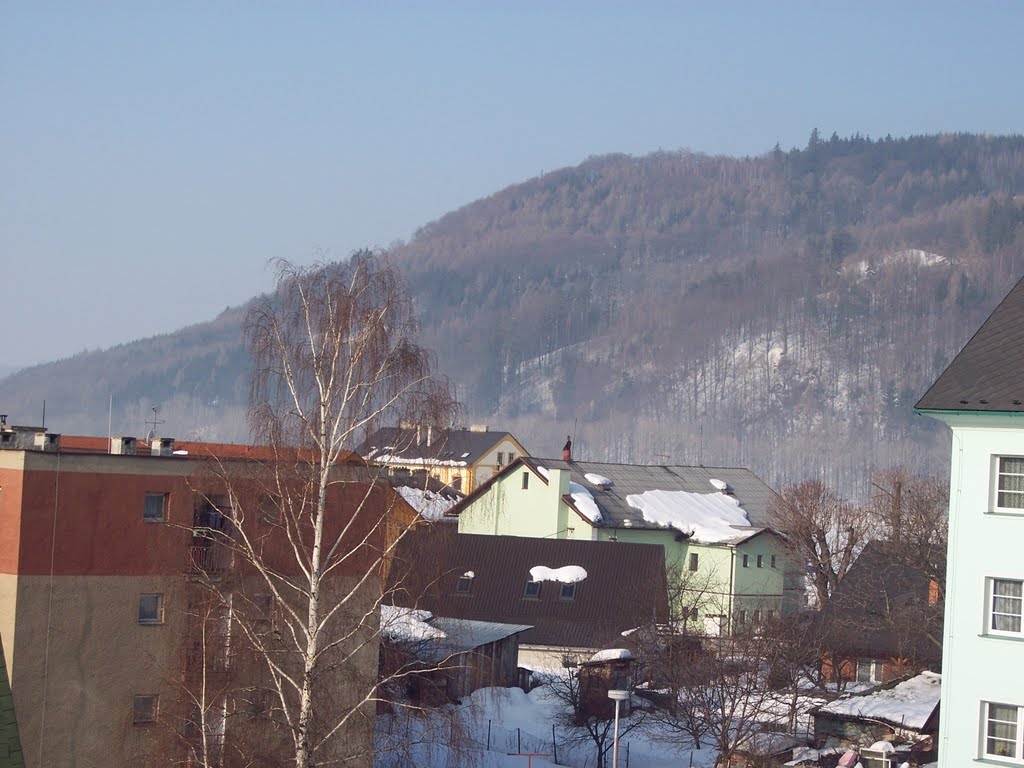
<point x="154" y="157"/>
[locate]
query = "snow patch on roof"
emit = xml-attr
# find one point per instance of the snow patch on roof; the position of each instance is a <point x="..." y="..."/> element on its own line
<point x="407" y="625"/>
<point x="719" y="484"/>
<point x="420" y="461"/>
<point x="567" y="574"/>
<point x="584" y="502"/>
<point x="707" y="517"/>
<point x="595" y="479"/>
<point x="544" y="472"/>
<point x="430" y="505"/>
<point x="911" y="702"/>
<point x="612" y="654"/>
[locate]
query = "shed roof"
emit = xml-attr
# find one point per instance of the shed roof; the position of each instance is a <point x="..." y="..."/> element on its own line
<point x="625" y="585"/>
<point x="987" y="373"/>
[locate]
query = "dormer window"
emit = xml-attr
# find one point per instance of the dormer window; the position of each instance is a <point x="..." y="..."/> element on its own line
<point x="568" y="592"/>
<point x="532" y="590"/>
<point x="464" y="585"/>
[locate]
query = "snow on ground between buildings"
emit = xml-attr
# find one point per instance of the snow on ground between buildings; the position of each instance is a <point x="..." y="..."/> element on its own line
<point x="430" y="505"/>
<point x="567" y="574"/>
<point x="707" y="517"/>
<point x="911" y="702"/>
<point x="407" y="625"/>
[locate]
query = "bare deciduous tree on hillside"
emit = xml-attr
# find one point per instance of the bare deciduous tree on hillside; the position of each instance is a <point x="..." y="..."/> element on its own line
<point x="292" y="545"/>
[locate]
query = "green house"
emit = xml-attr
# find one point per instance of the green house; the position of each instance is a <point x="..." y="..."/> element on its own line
<point x="727" y="568"/>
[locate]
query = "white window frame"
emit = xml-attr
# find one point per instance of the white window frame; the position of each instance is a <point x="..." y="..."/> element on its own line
<point x="996" y="474"/>
<point x="1018" y="756"/>
<point x="990" y="611"/>
<point x="874" y="668"/>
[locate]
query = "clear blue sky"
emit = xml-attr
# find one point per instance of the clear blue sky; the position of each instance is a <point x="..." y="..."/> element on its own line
<point x="155" y="156"/>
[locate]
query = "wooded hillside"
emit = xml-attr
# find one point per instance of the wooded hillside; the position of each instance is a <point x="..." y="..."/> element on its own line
<point x="782" y="312"/>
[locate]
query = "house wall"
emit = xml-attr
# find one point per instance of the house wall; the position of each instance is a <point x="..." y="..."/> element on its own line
<point x="983" y="544"/>
<point x="487" y="465"/>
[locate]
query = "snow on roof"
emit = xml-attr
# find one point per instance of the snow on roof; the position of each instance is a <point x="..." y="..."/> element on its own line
<point x="719" y="484"/>
<point x="388" y="458"/>
<point x="910" y="703"/>
<point x="612" y="654"/>
<point x="595" y="479"/>
<point x="707" y="517"/>
<point x="544" y="472"/>
<point x="584" y="502"/>
<point x="567" y="574"/>
<point x="430" y="504"/>
<point x="407" y="625"/>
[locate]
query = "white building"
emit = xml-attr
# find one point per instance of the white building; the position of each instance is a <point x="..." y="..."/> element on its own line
<point x="980" y="396"/>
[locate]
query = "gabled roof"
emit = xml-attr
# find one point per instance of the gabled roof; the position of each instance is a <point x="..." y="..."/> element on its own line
<point x="743" y="486"/>
<point x="881" y="608"/>
<point x="625" y="585"/>
<point x="453" y="447"/>
<point x="988" y="374"/>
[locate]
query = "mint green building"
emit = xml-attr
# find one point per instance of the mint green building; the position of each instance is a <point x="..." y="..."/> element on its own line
<point x="727" y="568"/>
<point x="980" y="396"/>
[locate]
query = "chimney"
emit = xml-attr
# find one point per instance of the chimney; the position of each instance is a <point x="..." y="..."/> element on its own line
<point x="478" y="427"/>
<point x="162" y="446"/>
<point x="933" y="592"/>
<point x="567" y="449"/>
<point x="122" y="446"/>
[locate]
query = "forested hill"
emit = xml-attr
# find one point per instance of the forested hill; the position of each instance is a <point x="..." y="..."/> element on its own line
<point x="782" y="312"/>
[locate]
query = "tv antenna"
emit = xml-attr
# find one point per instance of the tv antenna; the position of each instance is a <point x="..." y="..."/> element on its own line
<point x="155" y="422"/>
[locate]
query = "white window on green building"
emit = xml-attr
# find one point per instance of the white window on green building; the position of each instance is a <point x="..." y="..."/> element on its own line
<point x="1010" y="483"/>
<point x="1006" y="606"/>
<point x="1003" y="729"/>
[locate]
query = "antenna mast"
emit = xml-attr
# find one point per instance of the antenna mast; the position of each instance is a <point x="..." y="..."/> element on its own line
<point x="155" y="422"/>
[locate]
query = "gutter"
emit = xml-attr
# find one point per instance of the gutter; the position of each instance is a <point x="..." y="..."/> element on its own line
<point x="942" y="412"/>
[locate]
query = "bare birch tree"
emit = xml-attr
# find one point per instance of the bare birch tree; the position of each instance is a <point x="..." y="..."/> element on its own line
<point x="294" y="542"/>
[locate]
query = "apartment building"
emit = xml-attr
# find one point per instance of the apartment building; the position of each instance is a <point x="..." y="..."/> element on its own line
<point x="980" y="396"/>
<point x="121" y="609"/>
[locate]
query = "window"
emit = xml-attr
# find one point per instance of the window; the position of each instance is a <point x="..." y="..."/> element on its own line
<point x="532" y="590"/>
<point x="1006" y="606"/>
<point x="145" y="708"/>
<point x="154" y="509"/>
<point x="760" y="561"/>
<point x="151" y="609"/>
<point x="464" y="584"/>
<point x="694" y="613"/>
<point x="1010" y="483"/>
<point x="746" y="561"/>
<point x="773" y="561"/>
<point x="457" y="482"/>
<point x="511" y="457"/>
<point x="869" y="671"/>
<point x="501" y="458"/>
<point x="526" y="480"/>
<point x="757" y="617"/>
<point x="568" y="592"/>
<point x="1003" y="729"/>
<point x="270" y="510"/>
<point x="694" y="561"/>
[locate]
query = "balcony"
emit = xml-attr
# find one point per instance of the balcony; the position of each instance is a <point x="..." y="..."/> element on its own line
<point x="209" y="557"/>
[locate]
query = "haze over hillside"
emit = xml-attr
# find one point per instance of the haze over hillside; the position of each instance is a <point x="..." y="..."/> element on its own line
<point x="782" y="312"/>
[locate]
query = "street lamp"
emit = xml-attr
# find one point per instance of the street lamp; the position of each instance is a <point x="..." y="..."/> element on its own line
<point x="618" y="697"/>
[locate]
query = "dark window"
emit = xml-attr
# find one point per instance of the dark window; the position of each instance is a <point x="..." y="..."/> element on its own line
<point x="154" y="509"/>
<point x="760" y="561"/>
<point x="464" y="584"/>
<point x="757" y="617"/>
<point x="526" y="480"/>
<point x="694" y="561"/>
<point x="743" y="617"/>
<point x="532" y="590"/>
<point x="501" y="458"/>
<point x="511" y="457"/>
<point x="568" y="591"/>
<point x="151" y="609"/>
<point x="773" y="561"/>
<point x="145" y="708"/>
<point x="746" y="561"/>
<point x="694" y="613"/>
<point x="457" y="482"/>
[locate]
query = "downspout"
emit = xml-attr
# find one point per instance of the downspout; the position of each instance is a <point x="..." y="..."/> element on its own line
<point x="732" y="571"/>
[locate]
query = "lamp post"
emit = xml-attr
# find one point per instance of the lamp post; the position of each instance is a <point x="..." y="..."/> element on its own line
<point x="618" y="697"/>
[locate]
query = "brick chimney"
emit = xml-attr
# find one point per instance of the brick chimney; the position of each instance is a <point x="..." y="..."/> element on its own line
<point x="567" y="449"/>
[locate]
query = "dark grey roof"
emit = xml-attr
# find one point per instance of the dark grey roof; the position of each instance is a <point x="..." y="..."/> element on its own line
<point x="456" y="445"/>
<point x="988" y="374"/>
<point x="753" y="494"/>
<point x="625" y="586"/>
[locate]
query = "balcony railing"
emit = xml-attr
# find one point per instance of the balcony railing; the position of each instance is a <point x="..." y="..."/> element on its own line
<point x="209" y="557"/>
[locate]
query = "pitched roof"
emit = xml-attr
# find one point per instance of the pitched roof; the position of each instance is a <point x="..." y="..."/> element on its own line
<point x="753" y="494"/>
<point x="988" y="374"/>
<point x="625" y="585"/>
<point x="457" y="447"/>
<point x="881" y="608"/>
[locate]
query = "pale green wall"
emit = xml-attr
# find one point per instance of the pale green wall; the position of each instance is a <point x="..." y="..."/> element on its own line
<point x="982" y="544"/>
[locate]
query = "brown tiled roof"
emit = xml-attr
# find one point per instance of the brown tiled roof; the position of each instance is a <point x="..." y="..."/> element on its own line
<point x="988" y="374"/>
<point x="625" y="585"/>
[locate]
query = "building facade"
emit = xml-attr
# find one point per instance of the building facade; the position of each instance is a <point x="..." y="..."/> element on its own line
<point x="980" y="397"/>
<point x="121" y="614"/>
